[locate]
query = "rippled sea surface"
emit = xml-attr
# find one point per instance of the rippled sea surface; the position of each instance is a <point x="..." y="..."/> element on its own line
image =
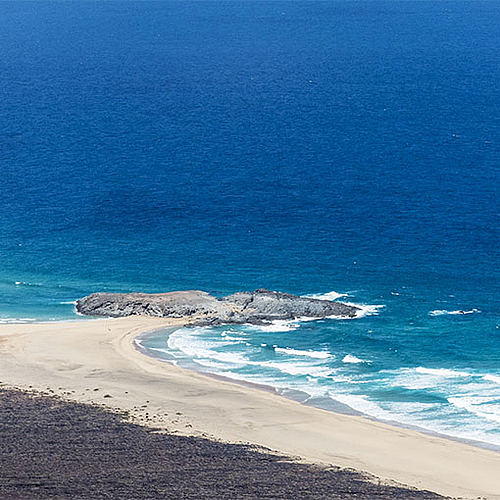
<point x="304" y="146"/>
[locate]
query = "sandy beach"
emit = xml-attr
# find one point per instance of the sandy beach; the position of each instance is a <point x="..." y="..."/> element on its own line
<point x="95" y="361"/>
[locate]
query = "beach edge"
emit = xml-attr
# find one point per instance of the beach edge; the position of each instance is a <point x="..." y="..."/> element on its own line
<point x="98" y="363"/>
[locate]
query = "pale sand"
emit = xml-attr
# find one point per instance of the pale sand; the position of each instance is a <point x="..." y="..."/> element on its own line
<point x="74" y="358"/>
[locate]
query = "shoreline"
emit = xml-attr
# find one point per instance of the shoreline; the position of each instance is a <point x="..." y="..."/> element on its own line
<point x="289" y="394"/>
<point x="97" y="362"/>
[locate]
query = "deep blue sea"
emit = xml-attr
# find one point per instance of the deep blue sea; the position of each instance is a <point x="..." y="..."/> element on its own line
<point x="302" y="146"/>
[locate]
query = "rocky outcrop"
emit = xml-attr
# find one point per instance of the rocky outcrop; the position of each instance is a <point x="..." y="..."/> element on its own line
<point x="200" y="307"/>
<point x="264" y="305"/>
<point x="169" y="305"/>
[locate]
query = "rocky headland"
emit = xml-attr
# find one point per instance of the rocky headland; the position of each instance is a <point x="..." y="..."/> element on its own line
<point x="259" y="306"/>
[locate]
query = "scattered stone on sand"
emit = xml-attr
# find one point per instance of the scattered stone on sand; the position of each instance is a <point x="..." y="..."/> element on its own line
<point x="57" y="450"/>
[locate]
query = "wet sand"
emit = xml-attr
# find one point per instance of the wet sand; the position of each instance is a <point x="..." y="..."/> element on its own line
<point x="96" y="362"/>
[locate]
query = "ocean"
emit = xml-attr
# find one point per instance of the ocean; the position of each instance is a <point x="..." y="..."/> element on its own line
<point x="336" y="148"/>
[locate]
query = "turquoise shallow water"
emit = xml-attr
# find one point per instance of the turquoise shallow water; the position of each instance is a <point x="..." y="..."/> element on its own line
<point x="298" y="146"/>
<point x="419" y="373"/>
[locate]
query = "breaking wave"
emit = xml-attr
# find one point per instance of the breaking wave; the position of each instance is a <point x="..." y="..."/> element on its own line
<point x="7" y="321"/>
<point x="278" y="326"/>
<point x="442" y="372"/>
<point x="326" y="296"/>
<point x="443" y="312"/>
<point x="348" y="358"/>
<point x="298" y="352"/>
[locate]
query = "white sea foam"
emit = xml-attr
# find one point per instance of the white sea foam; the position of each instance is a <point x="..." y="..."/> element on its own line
<point x="231" y="358"/>
<point x="423" y="378"/>
<point x="306" y="319"/>
<point x="203" y="353"/>
<point x="72" y="302"/>
<point x="290" y="367"/>
<point x="366" y="309"/>
<point x="492" y="378"/>
<point x="348" y="358"/>
<point x="307" y="369"/>
<point x="404" y="413"/>
<point x="442" y="312"/>
<point x="191" y="343"/>
<point x="483" y="428"/>
<point x="326" y="296"/>
<point x="298" y="352"/>
<point x="231" y="337"/>
<point x="16" y="320"/>
<point x="278" y="325"/>
<point x="362" y="404"/>
<point x="484" y="407"/>
<point x="442" y="372"/>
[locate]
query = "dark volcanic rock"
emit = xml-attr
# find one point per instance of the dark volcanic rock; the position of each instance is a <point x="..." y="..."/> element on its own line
<point x="169" y="305"/>
<point x="54" y="450"/>
<point x="202" y="308"/>
<point x="265" y="305"/>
